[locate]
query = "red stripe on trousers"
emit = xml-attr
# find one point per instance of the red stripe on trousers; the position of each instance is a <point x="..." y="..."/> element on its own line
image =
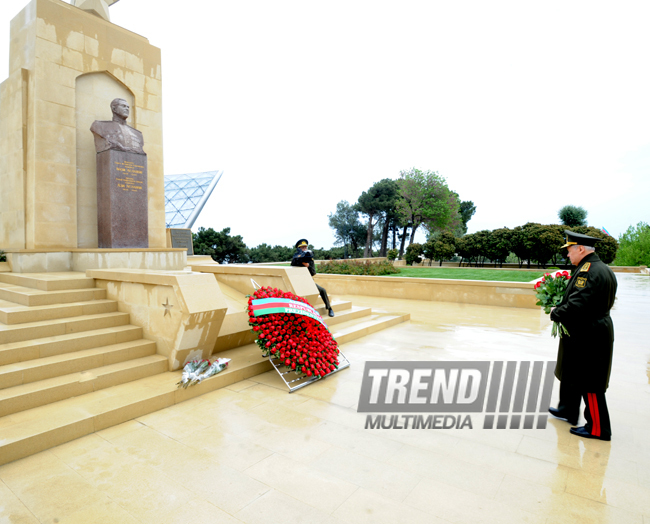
<point x="595" y="416"/>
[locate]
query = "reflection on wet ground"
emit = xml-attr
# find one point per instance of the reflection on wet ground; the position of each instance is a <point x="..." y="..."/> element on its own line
<point x="253" y="453"/>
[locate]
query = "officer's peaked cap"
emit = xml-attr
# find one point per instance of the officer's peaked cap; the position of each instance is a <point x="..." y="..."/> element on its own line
<point x="577" y="239"/>
<point x="302" y="242"/>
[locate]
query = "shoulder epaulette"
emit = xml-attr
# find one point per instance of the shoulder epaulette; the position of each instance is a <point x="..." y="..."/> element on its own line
<point x="586" y="266"/>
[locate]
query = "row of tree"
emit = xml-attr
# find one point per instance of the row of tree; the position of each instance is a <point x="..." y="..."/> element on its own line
<point x="531" y="243"/>
<point x="231" y="249"/>
<point x="397" y="209"/>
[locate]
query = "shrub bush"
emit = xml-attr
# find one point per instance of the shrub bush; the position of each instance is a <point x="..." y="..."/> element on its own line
<point x="413" y="253"/>
<point x="353" y="267"/>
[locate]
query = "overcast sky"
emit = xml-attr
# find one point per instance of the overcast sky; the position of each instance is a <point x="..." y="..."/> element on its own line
<point x="523" y="107"/>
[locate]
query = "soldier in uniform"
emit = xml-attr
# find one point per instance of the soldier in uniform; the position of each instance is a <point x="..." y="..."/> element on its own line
<point x="584" y="358"/>
<point x="305" y="258"/>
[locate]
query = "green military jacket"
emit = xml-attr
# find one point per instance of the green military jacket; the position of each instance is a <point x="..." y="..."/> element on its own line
<point x="585" y="356"/>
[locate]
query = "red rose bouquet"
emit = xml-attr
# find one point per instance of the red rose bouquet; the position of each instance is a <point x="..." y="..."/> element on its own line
<point x="549" y="292"/>
<point x="289" y="329"/>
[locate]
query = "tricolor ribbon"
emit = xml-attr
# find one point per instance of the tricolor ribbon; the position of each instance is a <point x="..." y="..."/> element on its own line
<point x="268" y="306"/>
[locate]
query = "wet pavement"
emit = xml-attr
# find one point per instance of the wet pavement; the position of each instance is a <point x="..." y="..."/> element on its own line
<point x="253" y="453"/>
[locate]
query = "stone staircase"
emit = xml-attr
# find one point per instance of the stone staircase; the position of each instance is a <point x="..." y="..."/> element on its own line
<point x="71" y="363"/>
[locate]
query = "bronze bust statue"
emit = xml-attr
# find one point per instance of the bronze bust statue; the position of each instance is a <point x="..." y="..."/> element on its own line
<point x="116" y="134"/>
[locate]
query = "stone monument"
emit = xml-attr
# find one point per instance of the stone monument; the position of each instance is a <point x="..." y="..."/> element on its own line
<point x="122" y="211"/>
<point x="66" y="63"/>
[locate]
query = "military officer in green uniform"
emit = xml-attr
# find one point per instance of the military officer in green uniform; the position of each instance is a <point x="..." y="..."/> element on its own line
<point x="584" y="360"/>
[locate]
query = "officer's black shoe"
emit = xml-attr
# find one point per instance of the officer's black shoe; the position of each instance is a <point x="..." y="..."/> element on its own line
<point x="331" y="312"/>
<point x="582" y="432"/>
<point x="558" y="414"/>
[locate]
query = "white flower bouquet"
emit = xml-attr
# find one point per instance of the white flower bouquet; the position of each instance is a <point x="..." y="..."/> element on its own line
<point x="195" y="371"/>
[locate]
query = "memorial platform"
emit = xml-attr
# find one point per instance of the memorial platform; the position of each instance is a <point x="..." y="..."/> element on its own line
<point x="252" y="453"/>
<point x="80" y="352"/>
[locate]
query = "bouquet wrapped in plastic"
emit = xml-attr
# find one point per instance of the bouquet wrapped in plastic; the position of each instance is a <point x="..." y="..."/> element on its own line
<point x="195" y="371"/>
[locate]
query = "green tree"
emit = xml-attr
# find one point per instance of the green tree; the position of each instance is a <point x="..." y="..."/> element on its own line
<point x="468" y="248"/>
<point x="573" y="216"/>
<point x="327" y="254"/>
<point x="466" y="209"/>
<point x="413" y="253"/>
<point x="522" y="239"/>
<point x="266" y="253"/>
<point x="389" y="218"/>
<point x="498" y="245"/>
<point x="348" y="229"/>
<point x="547" y="241"/>
<point x="535" y="242"/>
<point x="220" y="245"/>
<point x="429" y="249"/>
<point x="606" y="248"/>
<point x="441" y="246"/>
<point x="634" y="249"/>
<point x="425" y="199"/>
<point x="375" y="203"/>
<point x="481" y="245"/>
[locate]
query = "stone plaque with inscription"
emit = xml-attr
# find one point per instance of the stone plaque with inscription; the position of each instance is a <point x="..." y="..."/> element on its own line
<point x="181" y="238"/>
<point x="122" y="205"/>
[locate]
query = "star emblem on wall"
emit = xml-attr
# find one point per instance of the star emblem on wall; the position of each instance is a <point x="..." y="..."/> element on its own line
<point x="167" y="307"/>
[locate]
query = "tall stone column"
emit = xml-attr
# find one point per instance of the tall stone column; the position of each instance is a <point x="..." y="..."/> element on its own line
<point x="47" y="197"/>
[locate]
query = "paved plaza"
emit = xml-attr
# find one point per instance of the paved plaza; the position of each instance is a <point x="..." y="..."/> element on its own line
<point x="254" y="453"/>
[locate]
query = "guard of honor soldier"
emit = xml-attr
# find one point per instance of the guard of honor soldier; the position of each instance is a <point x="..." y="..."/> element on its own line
<point x="584" y="359"/>
<point x="303" y="257"/>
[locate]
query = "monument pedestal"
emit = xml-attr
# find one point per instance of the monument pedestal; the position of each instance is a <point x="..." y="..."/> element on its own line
<point x="122" y="206"/>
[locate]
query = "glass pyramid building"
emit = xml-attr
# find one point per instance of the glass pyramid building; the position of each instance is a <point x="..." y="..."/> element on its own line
<point x="185" y="196"/>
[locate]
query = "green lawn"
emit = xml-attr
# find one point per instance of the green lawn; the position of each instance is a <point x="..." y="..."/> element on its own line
<point x="470" y="274"/>
<point x="464" y="273"/>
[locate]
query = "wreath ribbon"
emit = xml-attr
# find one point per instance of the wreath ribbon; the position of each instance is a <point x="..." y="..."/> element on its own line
<point x="269" y="306"/>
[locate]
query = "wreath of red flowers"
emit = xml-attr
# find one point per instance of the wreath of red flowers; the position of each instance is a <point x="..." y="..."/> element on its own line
<point x="301" y="343"/>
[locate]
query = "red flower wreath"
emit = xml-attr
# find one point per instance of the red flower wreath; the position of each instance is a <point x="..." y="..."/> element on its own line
<point x="302" y="343"/>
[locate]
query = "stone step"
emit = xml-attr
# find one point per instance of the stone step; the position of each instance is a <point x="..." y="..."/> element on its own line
<point x="12" y="313"/>
<point x="57" y="365"/>
<point x="49" y="281"/>
<point x="60" y="344"/>
<point x="27" y="432"/>
<point x="18" y="399"/>
<point x="27" y="296"/>
<point x="350" y="331"/>
<point x="337" y="305"/>
<point x="50" y="328"/>
<point x="346" y="315"/>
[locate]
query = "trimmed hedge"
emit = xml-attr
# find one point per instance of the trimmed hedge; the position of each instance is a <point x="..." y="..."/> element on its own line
<point x="351" y="267"/>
